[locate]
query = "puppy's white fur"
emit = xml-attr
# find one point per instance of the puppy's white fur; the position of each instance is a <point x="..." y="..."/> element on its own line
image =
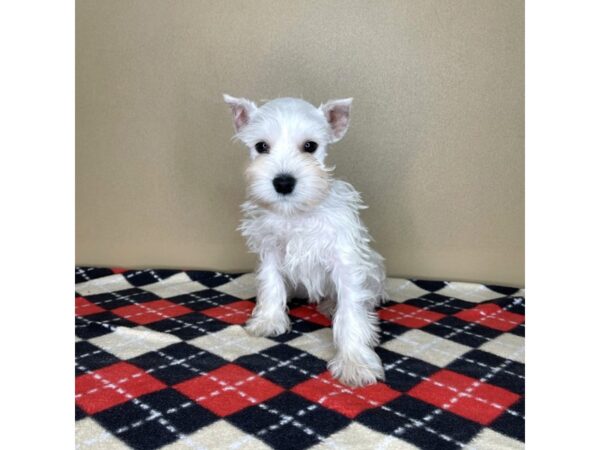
<point x="310" y="242"/>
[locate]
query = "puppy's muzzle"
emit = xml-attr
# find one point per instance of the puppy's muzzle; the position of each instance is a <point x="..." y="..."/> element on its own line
<point x="284" y="183"/>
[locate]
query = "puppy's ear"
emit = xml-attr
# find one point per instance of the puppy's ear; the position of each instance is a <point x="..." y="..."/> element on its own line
<point x="337" y="113"/>
<point x="242" y="109"/>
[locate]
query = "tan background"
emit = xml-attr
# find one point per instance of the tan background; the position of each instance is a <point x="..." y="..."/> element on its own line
<point x="436" y="143"/>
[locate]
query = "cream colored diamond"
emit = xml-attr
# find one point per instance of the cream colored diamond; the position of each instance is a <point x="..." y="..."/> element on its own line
<point x="470" y="292"/>
<point x="318" y="343"/>
<point x="178" y="284"/>
<point x="243" y="287"/>
<point x="491" y="440"/>
<point x="357" y="436"/>
<point x="116" y="282"/>
<point x="219" y="435"/>
<point x="232" y="342"/>
<point x="400" y="290"/>
<point x="88" y="434"/>
<point x="507" y="346"/>
<point x="126" y="343"/>
<point x="426" y="347"/>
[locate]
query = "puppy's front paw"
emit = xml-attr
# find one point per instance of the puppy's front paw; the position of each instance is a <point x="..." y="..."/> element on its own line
<point x="357" y="369"/>
<point x="265" y="327"/>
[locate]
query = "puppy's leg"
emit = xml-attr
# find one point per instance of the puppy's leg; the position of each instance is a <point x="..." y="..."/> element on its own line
<point x="269" y="317"/>
<point x="355" y="333"/>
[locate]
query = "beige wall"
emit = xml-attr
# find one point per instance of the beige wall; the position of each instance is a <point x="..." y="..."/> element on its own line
<point x="436" y="143"/>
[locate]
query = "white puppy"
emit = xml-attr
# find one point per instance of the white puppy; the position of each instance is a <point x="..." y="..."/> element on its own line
<point x="305" y="227"/>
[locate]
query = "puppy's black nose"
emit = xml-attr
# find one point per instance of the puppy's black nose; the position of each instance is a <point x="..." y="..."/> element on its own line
<point x="284" y="183"/>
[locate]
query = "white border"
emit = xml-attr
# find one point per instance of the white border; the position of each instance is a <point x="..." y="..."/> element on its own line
<point x="562" y="222"/>
<point x="37" y="176"/>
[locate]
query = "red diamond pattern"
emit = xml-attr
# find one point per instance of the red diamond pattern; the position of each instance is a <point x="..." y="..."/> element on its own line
<point x="235" y="313"/>
<point x="228" y="389"/>
<point x="350" y="402"/>
<point x="465" y="396"/>
<point x="144" y="313"/>
<point x="311" y="314"/>
<point x="113" y="385"/>
<point x="409" y="316"/>
<point x="492" y="316"/>
<point x="84" y="307"/>
<point x="174" y="388"/>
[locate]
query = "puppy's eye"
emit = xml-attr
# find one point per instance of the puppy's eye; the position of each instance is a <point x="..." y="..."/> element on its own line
<point x="262" y="147"/>
<point x="310" y="147"/>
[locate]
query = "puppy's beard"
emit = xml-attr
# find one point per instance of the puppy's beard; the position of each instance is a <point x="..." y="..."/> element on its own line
<point x="312" y="184"/>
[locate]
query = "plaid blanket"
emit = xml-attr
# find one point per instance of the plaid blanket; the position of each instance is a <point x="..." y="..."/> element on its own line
<point x="162" y="361"/>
